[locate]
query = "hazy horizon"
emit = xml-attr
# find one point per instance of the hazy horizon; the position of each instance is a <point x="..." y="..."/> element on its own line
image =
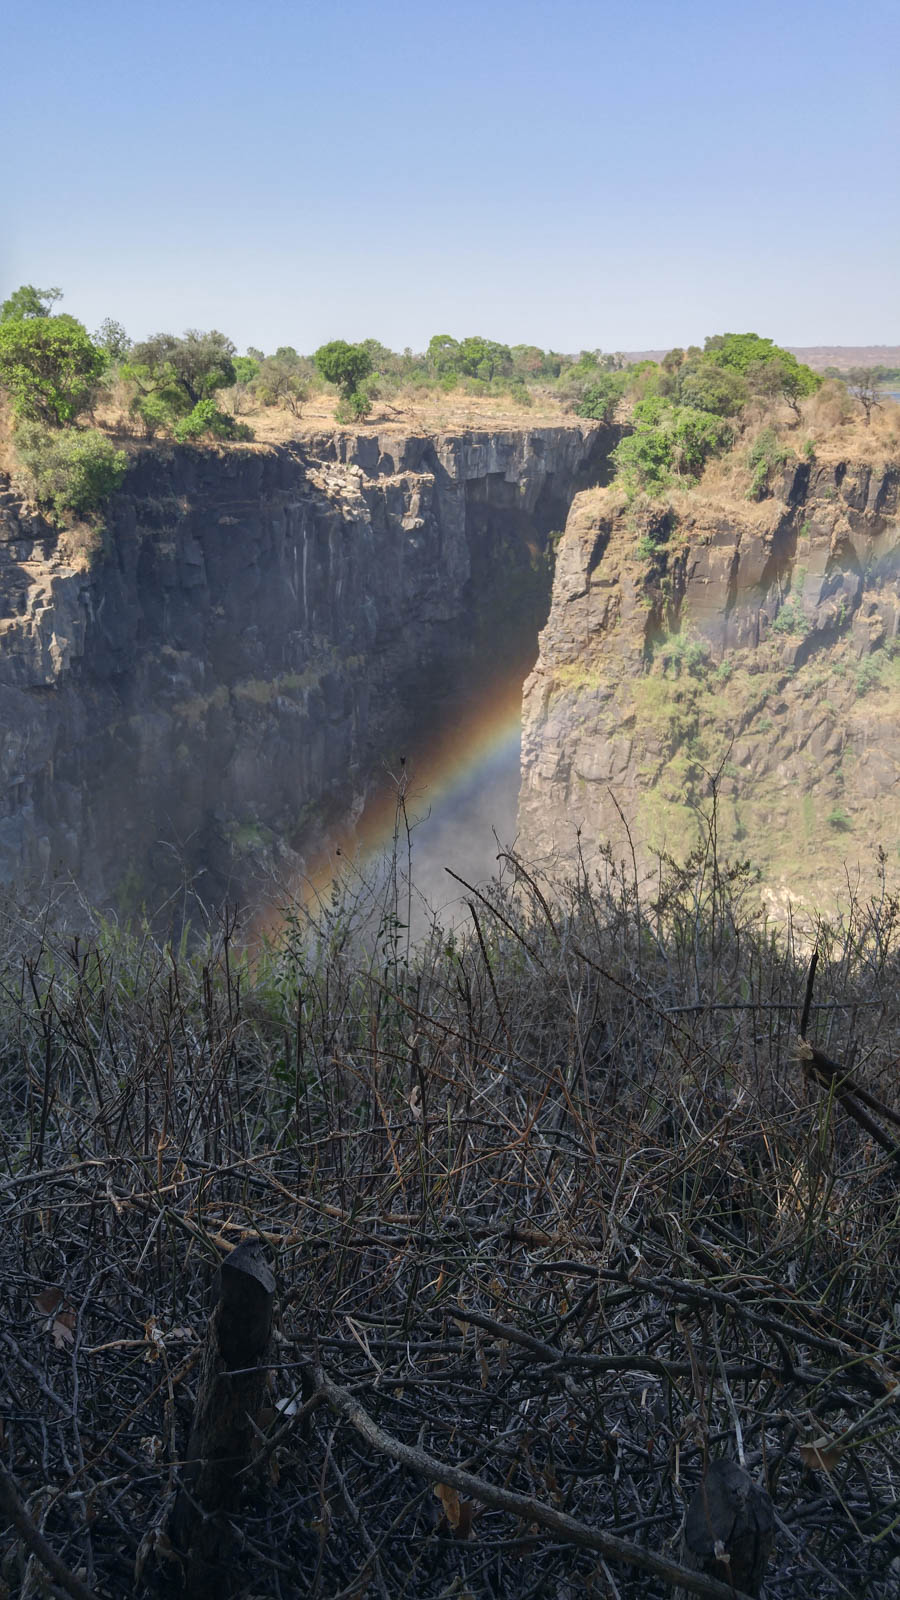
<point x="627" y="178"/>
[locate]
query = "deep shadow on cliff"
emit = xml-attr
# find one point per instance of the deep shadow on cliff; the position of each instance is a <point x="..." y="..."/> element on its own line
<point x="262" y="632"/>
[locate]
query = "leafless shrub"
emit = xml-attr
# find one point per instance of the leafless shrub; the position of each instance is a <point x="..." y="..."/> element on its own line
<point x="552" y="1199"/>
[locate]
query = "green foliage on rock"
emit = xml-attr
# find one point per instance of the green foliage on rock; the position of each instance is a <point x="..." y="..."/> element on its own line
<point x="692" y="378"/>
<point x="764" y="457"/>
<point x="669" y="441"/>
<point x="206" y="421"/>
<point x="49" y="367"/>
<point x="171" y="376"/>
<point x="71" y="470"/>
<point x="708" y="387"/>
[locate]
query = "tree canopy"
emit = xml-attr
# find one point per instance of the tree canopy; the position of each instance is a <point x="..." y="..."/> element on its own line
<point x="769" y="370"/>
<point x="27" y="301"/>
<point x="343" y="364"/>
<point x="198" y="363"/>
<point x="49" y="366"/>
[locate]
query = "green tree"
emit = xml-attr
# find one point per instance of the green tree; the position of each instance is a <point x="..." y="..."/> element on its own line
<point x="112" y="339"/>
<point x="706" y="386"/>
<point x="197" y="364"/>
<point x="27" y="301"/>
<point x="442" y="354"/>
<point x="49" y="367"/>
<point x="343" y="364"/>
<point x="602" y="396"/>
<point x="668" y="441"/>
<point x="528" y="361"/>
<point x="771" y="372"/>
<point x="246" y="368"/>
<point x="282" y="380"/>
<point x="353" y="407"/>
<point x="484" y="359"/>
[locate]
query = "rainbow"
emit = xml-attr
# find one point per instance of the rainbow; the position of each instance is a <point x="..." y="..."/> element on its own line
<point x="446" y="782"/>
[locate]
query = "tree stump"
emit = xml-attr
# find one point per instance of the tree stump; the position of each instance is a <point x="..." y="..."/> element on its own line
<point x="230" y="1394"/>
<point x="729" y="1528"/>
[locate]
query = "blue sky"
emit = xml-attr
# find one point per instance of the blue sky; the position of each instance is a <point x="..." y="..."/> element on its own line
<point x="626" y="175"/>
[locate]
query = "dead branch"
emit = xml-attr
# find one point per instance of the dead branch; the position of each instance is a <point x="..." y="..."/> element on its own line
<point x="13" y="1507"/>
<point x="523" y="1506"/>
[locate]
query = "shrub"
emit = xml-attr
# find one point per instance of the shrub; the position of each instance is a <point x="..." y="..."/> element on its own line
<point x="73" y="471"/>
<point x="668" y="440"/>
<point x="353" y="407"/>
<point x="868" y="675"/>
<point x="790" y="619"/>
<point x="766" y="454"/>
<point x="839" y="820"/>
<point x="602" y="396"/>
<point x="207" y="421"/>
<point x="282" y="379"/>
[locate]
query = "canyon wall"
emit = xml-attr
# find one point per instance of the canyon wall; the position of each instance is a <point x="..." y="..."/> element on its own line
<point x="207" y="695"/>
<point x="714" y="638"/>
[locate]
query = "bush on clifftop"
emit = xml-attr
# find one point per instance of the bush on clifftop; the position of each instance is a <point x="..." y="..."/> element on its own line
<point x="71" y="470"/>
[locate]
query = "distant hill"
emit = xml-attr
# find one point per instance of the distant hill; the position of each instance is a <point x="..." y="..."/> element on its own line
<point x="817" y="356"/>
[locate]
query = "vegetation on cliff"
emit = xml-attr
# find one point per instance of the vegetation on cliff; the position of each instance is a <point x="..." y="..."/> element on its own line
<point x="680" y="412"/>
<point x="555" y="1201"/>
<point x="727" y="612"/>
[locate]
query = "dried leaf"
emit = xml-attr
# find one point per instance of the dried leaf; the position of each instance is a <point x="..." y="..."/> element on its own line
<point x="822" y="1455"/>
<point x="415" y="1103"/>
<point x="48" y="1301"/>
<point x="458" y="1513"/>
<point x="62" y="1329"/>
<point x="449" y="1503"/>
<point x="156" y="1340"/>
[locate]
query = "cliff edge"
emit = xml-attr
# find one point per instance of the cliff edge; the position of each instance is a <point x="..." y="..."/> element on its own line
<point x="713" y="638"/>
<point x="208" y="694"/>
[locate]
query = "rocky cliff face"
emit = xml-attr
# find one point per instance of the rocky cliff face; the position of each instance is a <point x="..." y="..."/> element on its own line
<point x="217" y="687"/>
<point x="758" y="642"/>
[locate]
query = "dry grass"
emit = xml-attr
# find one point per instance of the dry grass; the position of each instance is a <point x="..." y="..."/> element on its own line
<point x="414" y="411"/>
<point x="554" y="1202"/>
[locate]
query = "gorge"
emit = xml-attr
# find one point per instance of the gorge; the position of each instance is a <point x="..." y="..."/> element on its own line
<point x="234" y="679"/>
<point x="217" y="692"/>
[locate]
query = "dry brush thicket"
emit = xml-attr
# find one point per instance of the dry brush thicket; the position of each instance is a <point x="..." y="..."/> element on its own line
<point x="555" y="1217"/>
